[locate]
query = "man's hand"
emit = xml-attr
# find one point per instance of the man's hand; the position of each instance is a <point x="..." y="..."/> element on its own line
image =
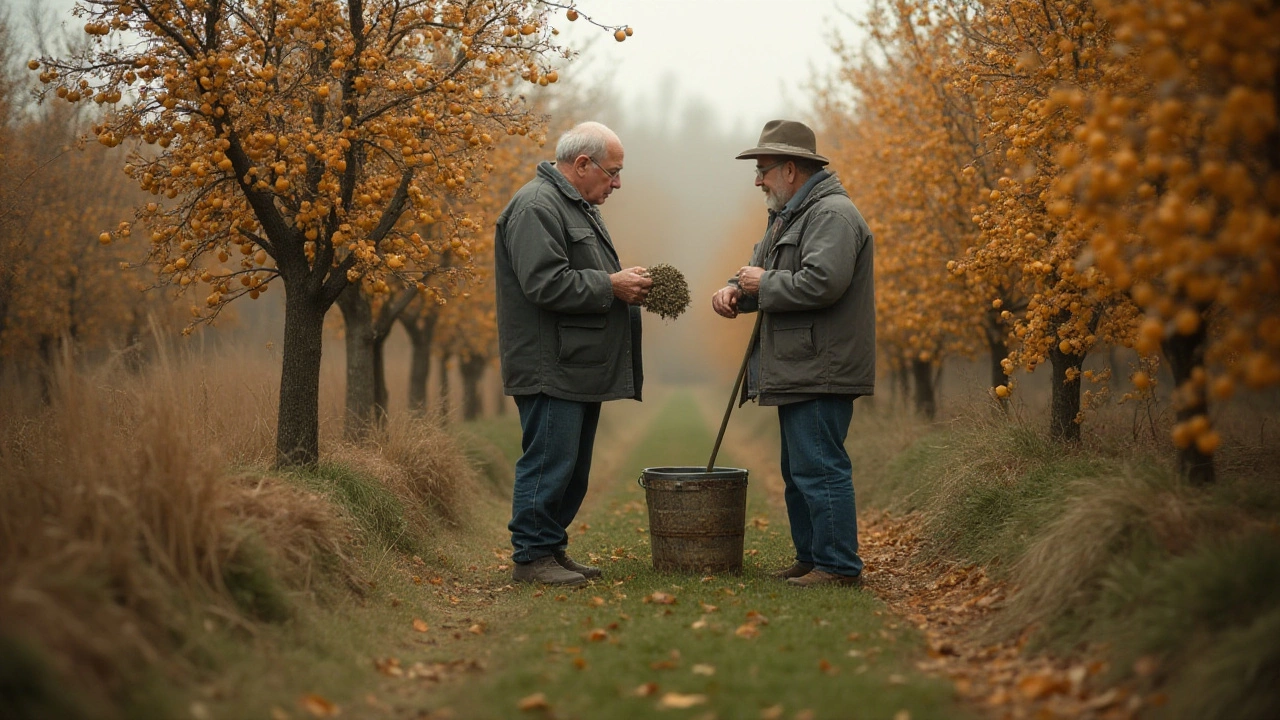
<point x="725" y="301"/>
<point x="631" y="285"/>
<point x="749" y="279"/>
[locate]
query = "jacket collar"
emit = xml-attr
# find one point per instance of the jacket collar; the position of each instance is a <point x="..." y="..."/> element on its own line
<point x="547" y="171"/>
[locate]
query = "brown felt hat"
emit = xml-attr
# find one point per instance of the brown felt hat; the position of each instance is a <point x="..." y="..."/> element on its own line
<point x="785" y="137"/>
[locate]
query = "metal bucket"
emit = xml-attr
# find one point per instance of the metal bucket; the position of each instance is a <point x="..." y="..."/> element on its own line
<point x="696" y="518"/>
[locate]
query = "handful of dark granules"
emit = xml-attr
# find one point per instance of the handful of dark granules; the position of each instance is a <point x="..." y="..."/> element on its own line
<point x="669" y="295"/>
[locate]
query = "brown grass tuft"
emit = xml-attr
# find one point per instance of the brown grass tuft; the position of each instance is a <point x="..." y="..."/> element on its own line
<point x="118" y="522"/>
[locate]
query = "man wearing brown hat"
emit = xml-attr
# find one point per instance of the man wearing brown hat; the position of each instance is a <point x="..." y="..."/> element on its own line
<point x="812" y="280"/>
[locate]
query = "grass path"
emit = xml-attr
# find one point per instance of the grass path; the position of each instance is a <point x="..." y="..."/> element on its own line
<point x="636" y="642"/>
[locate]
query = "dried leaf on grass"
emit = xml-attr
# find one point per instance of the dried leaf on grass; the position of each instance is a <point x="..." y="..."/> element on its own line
<point x="680" y="701"/>
<point x="420" y="625"/>
<point x="536" y="701"/>
<point x="660" y="598"/>
<point x="318" y="705"/>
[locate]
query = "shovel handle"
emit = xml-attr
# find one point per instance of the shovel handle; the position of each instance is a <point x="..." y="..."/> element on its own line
<point x="737" y="386"/>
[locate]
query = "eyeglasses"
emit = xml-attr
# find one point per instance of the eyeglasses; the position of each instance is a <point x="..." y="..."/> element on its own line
<point x="612" y="175"/>
<point x="762" y="171"/>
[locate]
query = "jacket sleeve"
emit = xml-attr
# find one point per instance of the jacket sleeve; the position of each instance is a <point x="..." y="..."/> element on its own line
<point x="746" y="303"/>
<point x="828" y="253"/>
<point x="541" y="264"/>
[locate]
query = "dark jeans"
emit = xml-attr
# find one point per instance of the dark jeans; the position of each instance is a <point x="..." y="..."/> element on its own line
<point x="819" y="483"/>
<point x="551" y="475"/>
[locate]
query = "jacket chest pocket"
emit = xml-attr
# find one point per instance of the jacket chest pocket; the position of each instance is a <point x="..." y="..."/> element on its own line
<point x="784" y="255"/>
<point x="793" y="338"/>
<point x="584" y="248"/>
<point x="582" y="339"/>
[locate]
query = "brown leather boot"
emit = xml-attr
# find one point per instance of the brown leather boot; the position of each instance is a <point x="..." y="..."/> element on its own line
<point x="587" y="571"/>
<point x="821" y="577"/>
<point x="795" y="570"/>
<point x="547" y="571"/>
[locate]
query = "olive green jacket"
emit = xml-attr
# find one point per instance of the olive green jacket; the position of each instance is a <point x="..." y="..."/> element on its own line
<point x="818" y="331"/>
<point x="561" y="331"/>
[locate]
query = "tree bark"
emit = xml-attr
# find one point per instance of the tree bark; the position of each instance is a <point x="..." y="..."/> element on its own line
<point x="421" y="331"/>
<point x="361" y="338"/>
<point x="298" y="423"/>
<point x="1186" y="353"/>
<point x="926" y="391"/>
<point x="472" y="370"/>
<point x="1065" y="403"/>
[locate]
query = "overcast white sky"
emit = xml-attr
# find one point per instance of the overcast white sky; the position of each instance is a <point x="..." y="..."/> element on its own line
<point x="750" y="60"/>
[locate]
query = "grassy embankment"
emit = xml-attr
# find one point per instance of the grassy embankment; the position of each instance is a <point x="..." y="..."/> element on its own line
<point x="1105" y="546"/>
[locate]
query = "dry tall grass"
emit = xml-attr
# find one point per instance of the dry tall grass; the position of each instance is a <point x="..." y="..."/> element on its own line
<point x="135" y="508"/>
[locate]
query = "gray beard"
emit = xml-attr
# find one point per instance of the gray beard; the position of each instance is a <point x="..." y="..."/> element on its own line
<point x="776" y="202"/>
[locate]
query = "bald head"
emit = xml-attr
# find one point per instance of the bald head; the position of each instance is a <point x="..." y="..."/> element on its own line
<point x="590" y="156"/>
<point x="587" y="138"/>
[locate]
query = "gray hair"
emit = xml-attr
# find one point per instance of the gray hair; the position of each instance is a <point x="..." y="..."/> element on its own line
<point x="587" y="138"/>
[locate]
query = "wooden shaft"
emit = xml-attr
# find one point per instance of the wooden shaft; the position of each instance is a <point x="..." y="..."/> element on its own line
<point x="737" y="386"/>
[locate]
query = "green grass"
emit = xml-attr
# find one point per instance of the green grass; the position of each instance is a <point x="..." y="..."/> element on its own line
<point x="548" y="645"/>
<point x="375" y="509"/>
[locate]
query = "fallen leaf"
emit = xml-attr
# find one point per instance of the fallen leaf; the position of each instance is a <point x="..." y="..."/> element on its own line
<point x="680" y="701"/>
<point x="773" y="712"/>
<point x="597" y="635"/>
<point x="759" y="522"/>
<point x="756" y="618"/>
<point x="645" y="690"/>
<point x="389" y="667"/>
<point x="853" y="636"/>
<point x="704" y="669"/>
<point x="580" y="663"/>
<point x="896" y="679"/>
<point x="1035" y="687"/>
<point x="902" y="715"/>
<point x="596" y="601"/>
<point x="318" y="705"/>
<point x="437" y="580"/>
<point x="536" y="701"/>
<point x="827" y="668"/>
<point x="420" y="625"/>
<point x="660" y="598"/>
<point x="707" y="608"/>
<point x="417" y="579"/>
<point x="748" y="631"/>
<point x="278" y="713"/>
<point x="699" y="624"/>
<point x="476" y="629"/>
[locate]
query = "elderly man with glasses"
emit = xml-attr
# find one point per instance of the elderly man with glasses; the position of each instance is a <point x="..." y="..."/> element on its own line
<point x="569" y="337"/>
<point x="812" y="280"/>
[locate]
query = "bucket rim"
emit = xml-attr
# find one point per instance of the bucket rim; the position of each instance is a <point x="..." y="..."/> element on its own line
<point x="692" y="472"/>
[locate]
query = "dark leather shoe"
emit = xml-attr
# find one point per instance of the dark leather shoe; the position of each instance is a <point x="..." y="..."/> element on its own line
<point x="795" y="570"/>
<point x="587" y="571"/>
<point x="820" y="577"/>
<point x="547" y="571"/>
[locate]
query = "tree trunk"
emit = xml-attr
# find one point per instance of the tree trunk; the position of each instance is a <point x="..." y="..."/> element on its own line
<point x="421" y="331"/>
<point x="387" y="315"/>
<point x="298" y="423"/>
<point x="1065" y="404"/>
<point x="998" y="350"/>
<point x="926" y="392"/>
<point x="444" y="388"/>
<point x="361" y="395"/>
<point x="472" y="371"/>
<point x="1186" y="353"/>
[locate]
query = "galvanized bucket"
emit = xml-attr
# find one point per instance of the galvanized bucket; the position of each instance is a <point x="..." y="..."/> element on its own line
<point x="696" y="517"/>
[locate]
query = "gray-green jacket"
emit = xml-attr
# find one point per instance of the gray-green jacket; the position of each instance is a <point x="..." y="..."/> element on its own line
<point x="560" y="329"/>
<point x="818" y="332"/>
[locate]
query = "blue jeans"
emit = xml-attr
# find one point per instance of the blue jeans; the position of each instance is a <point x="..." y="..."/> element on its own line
<point x="551" y="475"/>
<point x="819" y="483"/>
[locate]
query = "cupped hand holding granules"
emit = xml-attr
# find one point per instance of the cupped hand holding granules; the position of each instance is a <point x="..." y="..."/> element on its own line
<point x="669" y="296"/>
